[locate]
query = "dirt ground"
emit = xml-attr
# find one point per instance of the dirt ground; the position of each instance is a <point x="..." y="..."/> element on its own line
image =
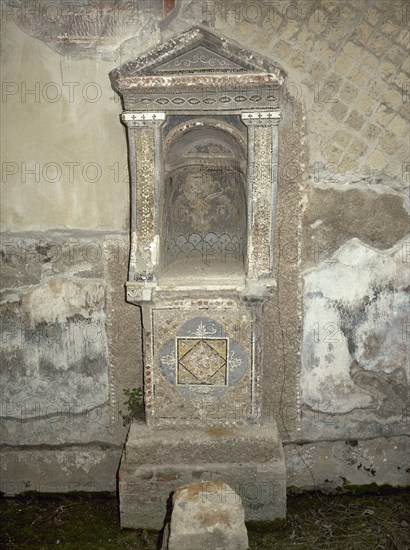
<point x="368" y="521"/>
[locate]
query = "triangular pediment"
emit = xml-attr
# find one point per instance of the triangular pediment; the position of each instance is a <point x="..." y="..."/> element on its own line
<point x="200" y="59"/>
<point x="196" y="51"/>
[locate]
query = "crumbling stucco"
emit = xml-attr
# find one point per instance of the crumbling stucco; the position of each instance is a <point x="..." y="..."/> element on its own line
<point x="355" y="361"/>
<point x="64" y="367"/>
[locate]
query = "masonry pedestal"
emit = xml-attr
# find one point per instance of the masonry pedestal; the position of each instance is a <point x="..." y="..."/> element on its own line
<point x="156" y="461"/>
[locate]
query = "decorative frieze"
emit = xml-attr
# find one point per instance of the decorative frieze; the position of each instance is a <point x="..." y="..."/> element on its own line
<point x="140" y="119"/>
<point x="261" y="117"/>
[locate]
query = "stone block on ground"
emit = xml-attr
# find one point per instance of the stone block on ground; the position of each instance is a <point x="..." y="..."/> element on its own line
<point x="206" y="516"/>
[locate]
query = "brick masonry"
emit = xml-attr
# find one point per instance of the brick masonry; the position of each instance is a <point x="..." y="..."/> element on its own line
<point x="349" y="62"/>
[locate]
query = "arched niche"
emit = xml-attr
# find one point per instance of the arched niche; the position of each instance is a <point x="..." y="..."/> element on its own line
<point x="203" y="210"/>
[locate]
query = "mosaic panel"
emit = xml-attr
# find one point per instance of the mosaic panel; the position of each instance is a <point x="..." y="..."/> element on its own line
<point x="202" y="361"/>
<point x="145" y="176"/>
<point x="208" y="100"/>
<point x="202" y="357"/>
<point x="262" y="199"/>
<point x="209" y="245"/>
<point x="262" y="184"/>
<point x="206" y="200"/>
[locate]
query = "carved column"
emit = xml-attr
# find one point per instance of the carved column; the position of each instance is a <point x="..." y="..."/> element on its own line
<point x="144" y="135"/>
<point x="145" y="153"/>
<point x="262" y="189"/>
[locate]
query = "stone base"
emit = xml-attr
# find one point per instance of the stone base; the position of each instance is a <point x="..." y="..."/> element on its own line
<point x="156" y="462"/>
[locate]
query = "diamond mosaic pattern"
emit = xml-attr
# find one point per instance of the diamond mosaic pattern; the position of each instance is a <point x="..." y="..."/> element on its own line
<point x="202" y="361"/>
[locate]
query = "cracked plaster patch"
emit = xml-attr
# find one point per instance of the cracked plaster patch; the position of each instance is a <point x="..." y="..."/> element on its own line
<point x="355" y="307"/>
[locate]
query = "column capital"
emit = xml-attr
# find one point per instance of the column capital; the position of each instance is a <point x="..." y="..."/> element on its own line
<point x="136" y="119"/>
<point x="261" y="118"/>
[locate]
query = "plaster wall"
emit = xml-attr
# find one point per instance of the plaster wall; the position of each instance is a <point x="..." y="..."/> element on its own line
<point x="337" y="335"/>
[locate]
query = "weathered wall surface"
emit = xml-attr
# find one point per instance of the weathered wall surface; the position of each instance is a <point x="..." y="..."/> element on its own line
<point x="70" y="343"/>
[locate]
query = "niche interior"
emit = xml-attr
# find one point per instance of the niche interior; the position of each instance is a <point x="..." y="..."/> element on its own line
<point x="203" y="212"/>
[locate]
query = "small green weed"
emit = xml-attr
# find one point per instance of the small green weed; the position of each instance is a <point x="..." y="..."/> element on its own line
<point x="134" y="404"/>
